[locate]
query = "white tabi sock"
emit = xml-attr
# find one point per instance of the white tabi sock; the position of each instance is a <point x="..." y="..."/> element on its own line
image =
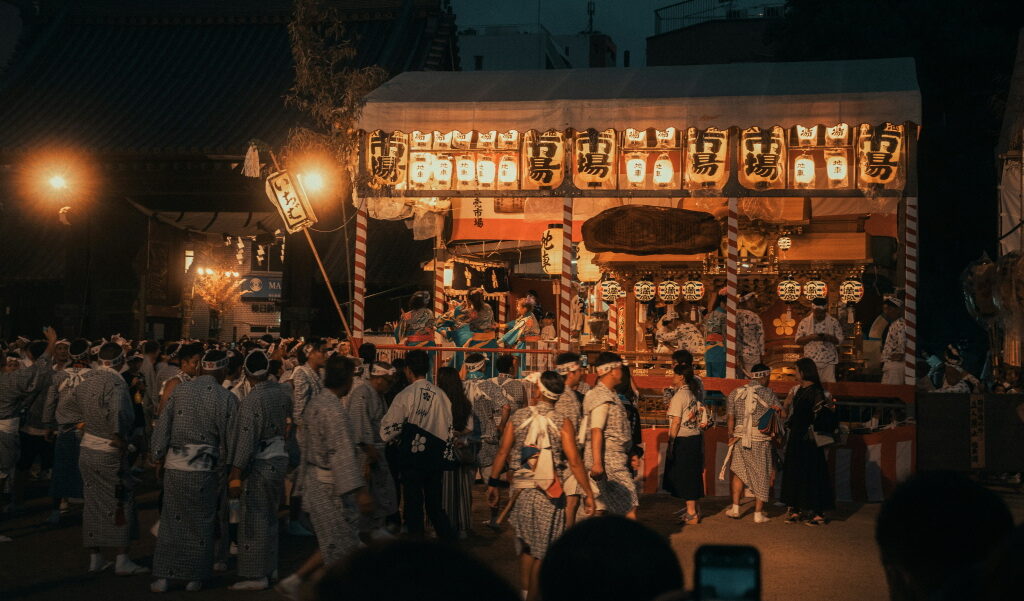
<point x="736" y="508"/>
<point x="95" y="562"/>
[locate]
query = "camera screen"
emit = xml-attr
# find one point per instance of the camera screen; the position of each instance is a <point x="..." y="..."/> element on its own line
<point x="719" y="583"/>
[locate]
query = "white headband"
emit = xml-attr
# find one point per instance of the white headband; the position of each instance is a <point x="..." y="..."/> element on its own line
<point x="214" y="365"/>
<point x="894" y="300"/>
<point x="479" y="365"/>
<point x="567" y="368"/>
<point x="62" y="341"/>
<point x="118" y="360"/>
<point x="258" y="372"/>
<point x="544" y="391"/>
<point x="607" y="367"/>
<point x="760" y="374"/>
<point x="379" y="370"/>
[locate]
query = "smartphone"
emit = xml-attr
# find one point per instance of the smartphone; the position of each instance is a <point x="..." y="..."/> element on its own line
<point x="728" y="573"/>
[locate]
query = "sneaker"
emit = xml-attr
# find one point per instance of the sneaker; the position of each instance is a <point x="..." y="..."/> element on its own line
<point x="130" y="568"/>
<point x="761" y="518"/>
<point x="733" y="512"/>
<point x="5" y="539"/>
<point x="158" y="586"/>
<point x="194" y="586"/>
<point x="290" y="587"/>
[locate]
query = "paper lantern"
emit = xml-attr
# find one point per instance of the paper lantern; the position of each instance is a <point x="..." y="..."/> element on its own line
<point x="763" y="156"/>
<point x="851" y="291"/>
<point x="610" y="291"/>
<point x="644" y="291"/>
<point x="387" y="158"/>
<point x="634" y="138"/>
<point x="486" y="139"/>
<point x="705" y="157"/>
<point x="419" y="140"/>
<point x="462" y="140"/>
<point x="788" y="290"/>
<point x="636" y="169"/>
<point x="807" y="136"/>
<point x="442" y="171"/>
<point x="837" y="135"/>
<point x="551" y="250"/>
<point x="815" y="289"/>
<point x="508" y="170"/>
<point x="668" y="291"/>
<point x="420" y="168"/>
<point x="508" y="140"/>
<point x="693" y="291"/>
<point x="586" y="269"/>
<point x="666" y="138"/>
<point x="595" y="155"/>
<point x="663" y="171"/>
<point x="486" y="171"/>
<point x="879" y="152"/>
<point x="803" y="171"/>
<point x="443" y="141"/>
<point x="784" y="243"/>
<point x="837" y="169"/>
<point x="465" y="170"/>
<point x="543" y="160"/>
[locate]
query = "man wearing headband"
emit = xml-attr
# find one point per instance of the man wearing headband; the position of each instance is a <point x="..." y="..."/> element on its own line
<point x="16" y="389"/>
<point x="61" y="357"/>
<point x="192" y="445"/>
<point x="34" y="430"/>
<point x="109" y="513"/>
<point x="334" y="487"/>
<point x="750" y="334"/>
<point x="312" y="355"/>
<point x="366" y="408"/>
<point x="186" y="367"/>
<point x="61" y="409"/>
<point x="488" y="399"/>
<point x="895" y="336"/>
<point x="532" y="444"/>
<point x="259" y="462"/>
<point x="607" y="439"/>
<point x="750" y="451"/>
<point x="507" y="365"/>
<point x="570" y="405"/>
<point x="169" y="367"/>
<point x="820" y="335"/>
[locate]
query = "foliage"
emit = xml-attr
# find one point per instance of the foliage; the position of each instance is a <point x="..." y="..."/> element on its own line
<point x="329" y="86"/>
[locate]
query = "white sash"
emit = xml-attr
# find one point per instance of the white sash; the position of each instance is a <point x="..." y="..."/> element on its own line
<point x="192" y="458"/>
<point x="271" y="448"/>
<point x="97" y="443"/>
<point x="537" y="435"/>
<point x="9" y="425"/>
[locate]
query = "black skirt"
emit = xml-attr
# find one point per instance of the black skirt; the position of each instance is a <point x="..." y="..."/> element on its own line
<point x="684" y="468"/>
<point x="806" y="484"/>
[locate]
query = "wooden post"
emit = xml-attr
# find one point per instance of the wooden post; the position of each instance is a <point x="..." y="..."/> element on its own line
<point x="359" y="276"/>
<point x="910" y="288"/>
<point x="327" y="282"/>
<point x="565" y="277"/>
<point x="731" y="285"/>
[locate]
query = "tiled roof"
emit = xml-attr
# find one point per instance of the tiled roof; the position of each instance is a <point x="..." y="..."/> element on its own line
<point x="185" y="77"/>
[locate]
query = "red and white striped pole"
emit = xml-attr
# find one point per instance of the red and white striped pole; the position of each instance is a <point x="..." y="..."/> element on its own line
<point x="439" y="307"/>
<point x="613" y="324"/>
<point x="731" y="285"/>
<point x="910" y="296"/>
<point x="502" y="305"/>
<point x="359" y="277"/>
<point x="565" y="277"/>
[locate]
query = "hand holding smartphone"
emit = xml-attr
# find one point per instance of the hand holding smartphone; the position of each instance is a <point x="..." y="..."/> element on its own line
<point x="728" y="573"/>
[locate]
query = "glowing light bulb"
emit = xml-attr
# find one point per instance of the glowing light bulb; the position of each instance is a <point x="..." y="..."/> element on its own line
<point x="313" y="181"/>
<point x="58" y="182"/>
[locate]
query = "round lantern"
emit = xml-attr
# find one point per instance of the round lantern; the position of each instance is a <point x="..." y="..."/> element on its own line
<point x="693" y="291"/>
<point x="644" y="291"/>
<point x="610" y="291"/>
<point x="785" y="243"/>
<point x="851" y="291"/>
<point x="788" y="290"/>
<point x="815" y="289"/>
<point x="668" y="291"/>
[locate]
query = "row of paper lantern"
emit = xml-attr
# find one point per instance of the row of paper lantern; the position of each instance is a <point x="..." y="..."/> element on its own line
<point x="850" y="291"/>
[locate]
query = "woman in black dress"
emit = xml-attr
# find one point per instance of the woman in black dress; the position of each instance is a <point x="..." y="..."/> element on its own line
<point x="806" y="485"/>
<point x="684" y="468"/>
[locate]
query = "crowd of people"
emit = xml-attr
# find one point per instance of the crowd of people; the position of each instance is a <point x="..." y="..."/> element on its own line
<point x="362" y="450"/>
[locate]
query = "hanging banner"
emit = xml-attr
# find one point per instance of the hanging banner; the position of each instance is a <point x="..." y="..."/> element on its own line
<point x="387" y="158"/>
<point x="879" y="153"/>
<point x="705" y="158"/>
<point x="290" y="199"/>
<point x="551" y="250"/>
<point x="595" y="159"/>
<point x="543" y="160"/>
<point x="763" y="157"/>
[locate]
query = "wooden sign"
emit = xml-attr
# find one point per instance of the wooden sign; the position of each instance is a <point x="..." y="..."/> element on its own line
<point x="290" y="199"/>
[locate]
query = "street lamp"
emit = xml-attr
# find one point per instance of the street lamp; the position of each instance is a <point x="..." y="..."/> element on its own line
<point x="312" y="181"/>
<point x="58" y="182"/>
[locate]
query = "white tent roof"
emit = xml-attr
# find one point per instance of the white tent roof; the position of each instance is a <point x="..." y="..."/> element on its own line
<point x="742" y="94"/>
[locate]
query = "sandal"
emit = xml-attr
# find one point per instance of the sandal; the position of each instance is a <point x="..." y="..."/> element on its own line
<point x="792" y="518"/>
<point x="691" y="519"/>
<point x="816" y="521"/>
